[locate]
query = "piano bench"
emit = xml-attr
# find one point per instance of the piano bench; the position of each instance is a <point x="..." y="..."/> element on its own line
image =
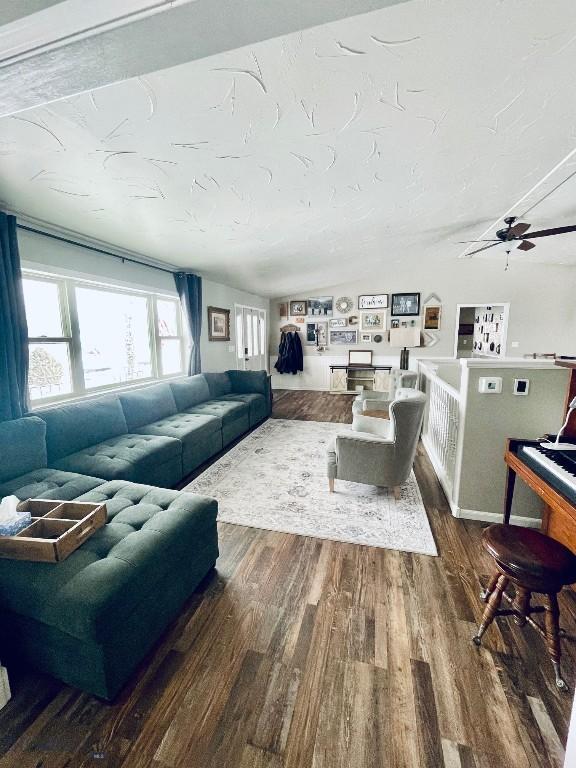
<point x="532" y="562"/>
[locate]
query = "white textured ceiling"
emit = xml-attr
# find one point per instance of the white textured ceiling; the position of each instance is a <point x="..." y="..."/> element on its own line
<point x="321" y="156"/>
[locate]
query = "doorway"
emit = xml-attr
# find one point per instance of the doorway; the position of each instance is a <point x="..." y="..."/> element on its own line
<point x="251" y="338"/>
<point x="481" y="330"/>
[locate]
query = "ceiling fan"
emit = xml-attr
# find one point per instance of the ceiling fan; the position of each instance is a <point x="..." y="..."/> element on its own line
<point x="514" y="232"/>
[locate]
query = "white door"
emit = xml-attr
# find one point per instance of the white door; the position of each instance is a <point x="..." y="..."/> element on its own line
<point x="251" y="338"/>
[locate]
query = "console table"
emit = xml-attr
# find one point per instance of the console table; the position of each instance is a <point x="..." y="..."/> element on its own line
<point x="348" y="379"/>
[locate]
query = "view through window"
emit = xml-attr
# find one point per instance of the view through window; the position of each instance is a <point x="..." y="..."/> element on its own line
<point x="84" y="337"/>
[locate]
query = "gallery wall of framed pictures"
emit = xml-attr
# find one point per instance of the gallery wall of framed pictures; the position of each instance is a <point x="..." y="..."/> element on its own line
<point x="363" y="319"/>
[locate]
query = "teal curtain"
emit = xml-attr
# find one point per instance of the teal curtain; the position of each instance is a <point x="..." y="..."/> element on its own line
<point x="189" y="289"/>
<point x="13" y="328"/>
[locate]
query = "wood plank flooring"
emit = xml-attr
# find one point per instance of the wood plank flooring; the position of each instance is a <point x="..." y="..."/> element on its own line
<point x="303" y="653"/>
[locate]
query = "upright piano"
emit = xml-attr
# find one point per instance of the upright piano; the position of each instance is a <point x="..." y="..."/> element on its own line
<point x="551" y="474"/>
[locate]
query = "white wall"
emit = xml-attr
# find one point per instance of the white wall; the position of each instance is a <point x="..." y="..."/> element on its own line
<point x="42" y="253"/>
<point x="221" y="355"/>
<point x="542" y="309"/>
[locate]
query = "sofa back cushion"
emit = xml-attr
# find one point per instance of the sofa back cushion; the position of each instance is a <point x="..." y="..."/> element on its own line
<point x="143" y="406"/>
<point x="190" y="391"/>
<point x="247" y="382"/>
<point x="218" y="383"/>
<point x="73" y="427"/>
<point x="22" y="447"/>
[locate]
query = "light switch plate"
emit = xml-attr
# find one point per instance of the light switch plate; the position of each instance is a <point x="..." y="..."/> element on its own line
<point x="490" y="385"/>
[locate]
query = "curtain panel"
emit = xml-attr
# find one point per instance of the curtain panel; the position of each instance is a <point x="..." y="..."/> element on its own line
<point x="189" y="289"/>
<point x="13" y="327"/>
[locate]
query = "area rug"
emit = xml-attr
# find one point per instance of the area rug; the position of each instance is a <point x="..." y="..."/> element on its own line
<point x="276" y="479"/>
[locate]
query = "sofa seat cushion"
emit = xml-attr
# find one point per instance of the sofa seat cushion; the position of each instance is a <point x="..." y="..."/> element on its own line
<point x="91" y="593"/>
<point x="226" y="410"/>
<point x="49" y="484"/>
<point x="186" y="427"/>
<point x="123" y="457"/>
<point x="258" y="405"/>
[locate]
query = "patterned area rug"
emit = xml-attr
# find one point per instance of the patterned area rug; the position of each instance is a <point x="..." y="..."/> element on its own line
<point x="276" y="479"/>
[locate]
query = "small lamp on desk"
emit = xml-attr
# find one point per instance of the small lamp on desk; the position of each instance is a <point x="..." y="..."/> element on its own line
<point x="557" y="445"/>
<point x="405" y="338"/>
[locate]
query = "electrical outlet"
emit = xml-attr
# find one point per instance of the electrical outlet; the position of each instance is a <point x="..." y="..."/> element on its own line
<point x="521" y="386"/>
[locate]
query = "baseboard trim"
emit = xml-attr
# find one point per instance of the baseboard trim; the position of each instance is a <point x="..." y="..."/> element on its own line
<point x="496" y="517"/>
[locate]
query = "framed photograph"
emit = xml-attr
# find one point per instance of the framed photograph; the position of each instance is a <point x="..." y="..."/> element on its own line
<point x="320" y="306"/>
<point x="218" y="324"/>
<point x="373" y="301"/>
<point x="343" y="337"/>
<point x="310" y="334"/>
<point x="373" y="321"/>
<point x="405" y="304"/>
<point x="298" y="307"/>
<point x="365" y="338"/>
<point x="316" y="334"/>
<point x="339" y="322"/>
<point x="432" y="317"/>
<point x="394" y="323"/>
<point x="283" y="310"/>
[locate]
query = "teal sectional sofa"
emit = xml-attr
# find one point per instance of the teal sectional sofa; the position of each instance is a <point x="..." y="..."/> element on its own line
<point x="91" y="619"/>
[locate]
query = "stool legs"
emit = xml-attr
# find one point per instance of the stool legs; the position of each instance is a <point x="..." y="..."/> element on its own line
<point x="485" y="593"/>
<point x="552" y="625"/>
<point x="521" y="604"/>
<point x="492" y="607"/>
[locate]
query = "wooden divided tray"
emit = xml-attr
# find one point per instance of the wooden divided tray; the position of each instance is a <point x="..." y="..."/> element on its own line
<point x="56" y="530"/>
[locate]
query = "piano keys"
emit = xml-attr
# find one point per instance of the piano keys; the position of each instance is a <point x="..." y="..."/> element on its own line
<point x="552" y="475"/>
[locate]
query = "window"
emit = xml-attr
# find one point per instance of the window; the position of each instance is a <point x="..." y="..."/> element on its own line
<point x="85" y="337"/>
<point x="169" y="333"/>
<point x="50" y="371"/>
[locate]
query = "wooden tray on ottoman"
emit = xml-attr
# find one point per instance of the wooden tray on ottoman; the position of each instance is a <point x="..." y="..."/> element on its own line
<point x="56" y="530"/>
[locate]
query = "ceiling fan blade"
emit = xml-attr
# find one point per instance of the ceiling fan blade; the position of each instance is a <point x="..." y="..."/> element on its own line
<point x="553" y="231"/>
<point x="517" y="230"/>
<point x="485" y="248"/>
<point x="526" y="245"/>
<point x="493" y="240"/>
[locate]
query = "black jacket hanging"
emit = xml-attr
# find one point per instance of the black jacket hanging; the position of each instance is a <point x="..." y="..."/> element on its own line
<point x="290" y="355"/>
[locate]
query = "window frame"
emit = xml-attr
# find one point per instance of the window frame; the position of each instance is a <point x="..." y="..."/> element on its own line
<point x="70" y="325"/>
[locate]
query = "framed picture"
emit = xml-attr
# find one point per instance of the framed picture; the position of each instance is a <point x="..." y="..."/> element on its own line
<point x="343" y="337"/>
<point x="339" y="322"/>
<point x="316" y="334"/>
<point x="310" y="334"/>
<point x="320" y="305"/>
<point x="373" y="301"/>
<point x="373" y="321"/>
<point x="394" y="323"/>
<point x="299" y="320"/>
<point x="405" y="304"/>
<point x="218" y="324"/>
<point x="432" y="317"/>
<point x="298" y="307"/>
<point x="365" y="338"/>
<point x="283" y="310"/>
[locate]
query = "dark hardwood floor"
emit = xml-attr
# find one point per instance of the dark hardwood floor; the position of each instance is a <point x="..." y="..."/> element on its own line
<point x="304" y="653"/>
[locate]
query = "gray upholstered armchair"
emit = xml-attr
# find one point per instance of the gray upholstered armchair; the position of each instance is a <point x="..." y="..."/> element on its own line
<point x="377" y="451"/>
<point x="369" y="400"/>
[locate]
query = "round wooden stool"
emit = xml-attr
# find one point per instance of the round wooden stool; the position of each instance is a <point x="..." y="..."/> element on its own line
<point x="533" y="562"/>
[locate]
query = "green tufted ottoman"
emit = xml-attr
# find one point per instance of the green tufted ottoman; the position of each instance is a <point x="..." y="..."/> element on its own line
<point x="92" y="618"/>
